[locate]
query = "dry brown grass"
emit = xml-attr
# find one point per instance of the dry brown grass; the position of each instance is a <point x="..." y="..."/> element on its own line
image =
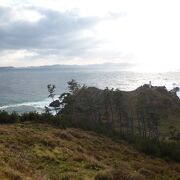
<point x="39" y="151"/>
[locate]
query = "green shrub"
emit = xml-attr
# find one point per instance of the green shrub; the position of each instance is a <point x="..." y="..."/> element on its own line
<point x="6" y="118"/>
<point x="148" y="146"/>
<point x="163" y="149"/>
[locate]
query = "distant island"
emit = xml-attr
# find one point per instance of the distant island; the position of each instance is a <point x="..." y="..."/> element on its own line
<point x="102" y="66"/>
<point x="7" y="68"/>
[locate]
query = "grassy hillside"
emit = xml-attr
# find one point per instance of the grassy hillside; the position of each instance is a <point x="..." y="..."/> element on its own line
<point x="40" y="151"/>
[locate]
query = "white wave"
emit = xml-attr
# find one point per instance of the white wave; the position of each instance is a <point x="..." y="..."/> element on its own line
<point x="33" y="104"/>
<point x="37" y="105"/>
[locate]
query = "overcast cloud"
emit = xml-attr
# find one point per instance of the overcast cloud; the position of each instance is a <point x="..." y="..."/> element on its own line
<point x="53" y="33"/>
<point x="38" y="36"/>
<point x="41" y="32"/>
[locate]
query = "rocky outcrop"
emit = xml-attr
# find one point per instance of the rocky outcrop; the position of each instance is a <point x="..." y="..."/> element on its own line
<point x="175" y="90"/>
<point x="55" y="104"/>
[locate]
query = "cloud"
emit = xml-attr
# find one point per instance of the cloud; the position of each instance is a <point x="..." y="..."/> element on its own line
<point x="54" y="31"/>
<point x="35" y="36"/>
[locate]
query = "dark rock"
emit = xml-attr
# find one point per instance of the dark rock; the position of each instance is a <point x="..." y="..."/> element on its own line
<point x="55" y="103"/>
<point x="175" y="90"/>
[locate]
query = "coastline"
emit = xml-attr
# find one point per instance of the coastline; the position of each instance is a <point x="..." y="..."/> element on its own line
<point x="38" y="106"/>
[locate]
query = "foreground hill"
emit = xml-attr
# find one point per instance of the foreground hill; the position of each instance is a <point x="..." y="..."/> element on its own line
<point x="40" y="151"/>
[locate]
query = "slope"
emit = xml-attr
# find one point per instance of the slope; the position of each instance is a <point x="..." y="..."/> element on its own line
<point x="40" y="151"/>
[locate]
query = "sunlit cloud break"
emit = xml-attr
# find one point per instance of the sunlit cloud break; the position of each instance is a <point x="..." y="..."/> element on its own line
<point x="145" y="33"/>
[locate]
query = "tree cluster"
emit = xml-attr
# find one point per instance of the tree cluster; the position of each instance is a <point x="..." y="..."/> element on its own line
<point x="111" y="109"/>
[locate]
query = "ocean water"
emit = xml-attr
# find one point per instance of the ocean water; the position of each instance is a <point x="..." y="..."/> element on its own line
<point x="24" y="90"/>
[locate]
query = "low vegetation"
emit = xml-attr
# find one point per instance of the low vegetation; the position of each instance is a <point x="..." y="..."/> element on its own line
<point x="41" y="151"/>
<point x="167" y="149"/>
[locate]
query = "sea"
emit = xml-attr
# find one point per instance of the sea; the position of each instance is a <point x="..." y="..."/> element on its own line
<point x="25" y="89"/>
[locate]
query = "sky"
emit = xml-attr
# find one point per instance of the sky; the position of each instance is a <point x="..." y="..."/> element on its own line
<point x="142" y="33"/>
